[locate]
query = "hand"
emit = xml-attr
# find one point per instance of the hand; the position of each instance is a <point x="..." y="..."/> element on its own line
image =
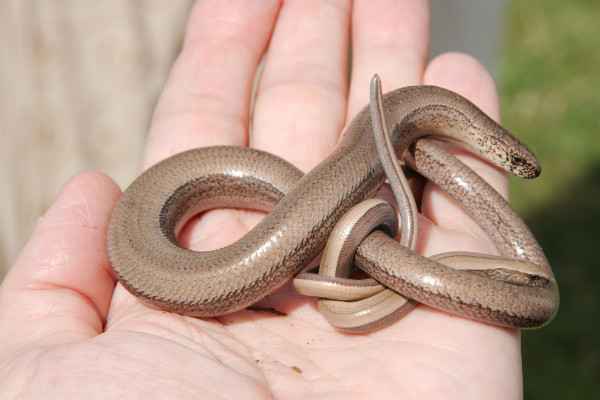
<point x="67" y="332"/>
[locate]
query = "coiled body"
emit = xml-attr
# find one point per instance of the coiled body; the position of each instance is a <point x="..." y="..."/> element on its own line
<point x="149" y="262"/>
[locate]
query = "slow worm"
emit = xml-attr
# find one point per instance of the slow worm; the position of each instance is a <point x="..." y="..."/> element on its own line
<point x="371" y="307"/>
<point x="148" y="261"/>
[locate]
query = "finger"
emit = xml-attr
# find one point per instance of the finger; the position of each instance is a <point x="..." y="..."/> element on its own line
<point x="61" y="285"/>
<point x="206" y="100"/>
<point x="301" y="99"/>
<point x="466" y="76"/>
<point x="390" y="38"/>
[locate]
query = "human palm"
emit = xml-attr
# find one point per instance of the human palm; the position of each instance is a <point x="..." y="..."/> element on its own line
<point x="67" y="332"/>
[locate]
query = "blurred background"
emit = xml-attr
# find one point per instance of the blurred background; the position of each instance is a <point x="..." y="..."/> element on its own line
<point x="79" y="80"/>
<point x="550" y="94"/>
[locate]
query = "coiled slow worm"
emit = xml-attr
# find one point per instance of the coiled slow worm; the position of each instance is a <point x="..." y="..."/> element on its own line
<point x="147" y="260"/>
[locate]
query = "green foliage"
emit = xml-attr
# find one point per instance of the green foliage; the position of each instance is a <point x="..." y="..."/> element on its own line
<point x="551" y="91"/>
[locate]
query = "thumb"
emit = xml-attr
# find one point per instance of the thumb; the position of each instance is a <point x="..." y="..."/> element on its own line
<point x="60" y="287"/>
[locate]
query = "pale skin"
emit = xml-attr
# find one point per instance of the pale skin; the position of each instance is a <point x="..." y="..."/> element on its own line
<point x="66" y="330"/>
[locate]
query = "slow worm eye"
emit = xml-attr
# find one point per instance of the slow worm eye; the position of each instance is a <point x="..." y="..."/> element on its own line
<point x="516" y="160"/>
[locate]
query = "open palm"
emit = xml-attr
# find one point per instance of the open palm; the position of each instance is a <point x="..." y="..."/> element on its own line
<point x="66" y="331"/>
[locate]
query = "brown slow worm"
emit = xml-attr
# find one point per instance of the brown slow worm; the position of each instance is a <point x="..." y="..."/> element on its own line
<point x="142" y="238"/>
<point x="372" y="307"/>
